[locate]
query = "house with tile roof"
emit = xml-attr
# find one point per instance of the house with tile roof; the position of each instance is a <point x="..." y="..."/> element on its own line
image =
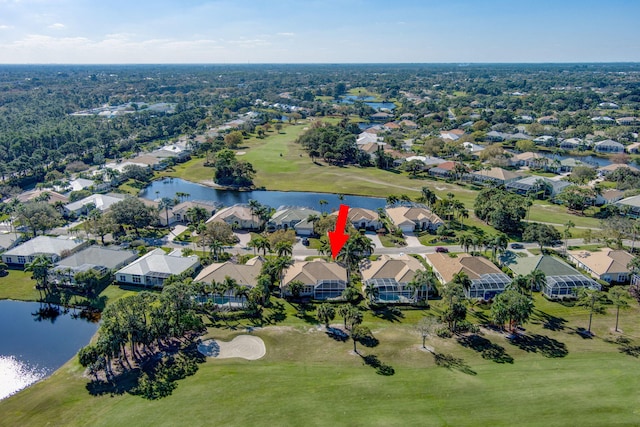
<point x="321" y="279"/>
<point x="561" y="280"/>
<point x="487" y="280"/>
<point x="156" y="266"/>
<point x="630" y="205"/>
<point x="54" y="248"/>
<point x="608" y="146"/>
<point x="239" y="216"/>
<point x="413" y="218"/>
<point x="179" y="213"/>
<point x="606" y="264"/>
<point x="100" y="259"/>
<point x="389" y="278"/>
<point x="362" y="218"/>
<point x="493" y="176"/>
<point x="293" y="218"/>
<point x="101" y="202"/>
<point x="243" y="274"/>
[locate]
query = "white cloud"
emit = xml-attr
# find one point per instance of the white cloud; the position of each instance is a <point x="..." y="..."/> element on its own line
<point x="56" y="26"/>
<point x="286" y="34"/>
<point x="6" y="27"/>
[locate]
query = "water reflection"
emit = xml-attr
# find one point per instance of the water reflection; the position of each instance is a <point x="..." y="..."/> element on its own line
<point x="16" y="375"/>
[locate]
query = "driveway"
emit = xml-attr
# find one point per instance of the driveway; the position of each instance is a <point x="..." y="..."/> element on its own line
<point x="244" y="237"/>
<point x="412" y="240"/>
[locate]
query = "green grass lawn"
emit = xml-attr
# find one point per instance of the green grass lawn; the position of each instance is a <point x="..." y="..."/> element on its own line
<point x="556" y="378"/>
<point x="18" y="285"/>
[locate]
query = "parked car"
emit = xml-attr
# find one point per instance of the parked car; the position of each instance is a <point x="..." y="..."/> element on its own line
<point x="441" y="249"/>
<point x="305" y="241"/>
<point x="517" y="246"/>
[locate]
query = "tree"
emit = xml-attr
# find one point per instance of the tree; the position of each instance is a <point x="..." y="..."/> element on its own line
<point x="542" y="234"/>
<point x="511" y="307"/>
<point x="233" y="139"/>
<point x="295" y="288"/>
<point x="326" y="313"/>
<point x="218" y="234"/>
<point x="359" y="332"/>
<point x="284" y="248"/>
<point x="134" y="213"/>
<point x="197" y="214"/>
<point x="591" y="298"/>
<point x="582" y="174"/>
<point x="520" y="284"/>
<point x="501" y="209"/>
<point x="231" y="171"/>
<point x="577" y="198"/>
<point x="166" y="203"/>
<point x="426" y="327"/>
<point x="525" y="145"/>
<point x="537" y="279"/>
<point x="423" y="279"/>
<point x="619" y="296"/>
<point x="39" y="269"/>
<point x="567" y="233"/>
<point x="38" y="216"/>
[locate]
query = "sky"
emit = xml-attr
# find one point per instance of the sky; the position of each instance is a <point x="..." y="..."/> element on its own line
<point x="318" y="31"/>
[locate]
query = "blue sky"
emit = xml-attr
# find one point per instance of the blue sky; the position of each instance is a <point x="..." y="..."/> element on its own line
<point x="315" y="31"/>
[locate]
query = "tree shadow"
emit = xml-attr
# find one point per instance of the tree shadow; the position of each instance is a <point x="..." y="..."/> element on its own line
<point x="584" y="333"/>
<point x="278" y="313"/>
<point x="550" y="322"/>
<point x="302" y="313"/>
<point x="390" y="314"/>
<point x="337" y="334"/>
<point x="451" y="362"/>
<point x="117" y="385"/>
<point x="486" y="348"/>
<point x="630" y="350"/>
<point x="542" y="344"/>
<point x="381" y="368"/>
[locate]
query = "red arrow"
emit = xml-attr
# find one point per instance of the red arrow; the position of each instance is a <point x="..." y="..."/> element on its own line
<point x="338" y="237"/>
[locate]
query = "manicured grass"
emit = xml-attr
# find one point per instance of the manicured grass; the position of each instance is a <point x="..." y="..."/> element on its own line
<point x="307" y="378"/>
<point x="18" y="285"/>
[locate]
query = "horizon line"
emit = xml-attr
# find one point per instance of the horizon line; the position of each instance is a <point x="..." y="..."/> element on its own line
<point x="458" y="63"/>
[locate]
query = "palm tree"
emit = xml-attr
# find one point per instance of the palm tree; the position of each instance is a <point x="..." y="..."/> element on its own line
<point x="499" y="244"/>
<point x="197" y="214"/>
<point x="590" y="297"/>
<point x="228" y="287"/>
<point x="39" y="268"/>
<point x="166" y="203"/>
<point x="343" y="311"/>
<point x="537" y="279"/>
<point x="620" y="298"/>
<point x="215" y="246"/>
<point x="423" y="279"/>
<point x="429" y="196"/>
<point x="567" y="233"/>
<point x="242" y="292"/>
<point x="520" y="284"/>
<point x="371" y="291"/>
<point x="326" y="313"/>
<point x="284" y="248"/>
<point x="465" y="240"/>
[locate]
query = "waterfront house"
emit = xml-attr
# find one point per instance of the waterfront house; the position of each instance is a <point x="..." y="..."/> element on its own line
<point x="153" y="268"/>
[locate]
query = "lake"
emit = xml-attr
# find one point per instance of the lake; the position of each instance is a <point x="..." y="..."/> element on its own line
<point x="32" y="347"/>
<point x="168" y="187"/>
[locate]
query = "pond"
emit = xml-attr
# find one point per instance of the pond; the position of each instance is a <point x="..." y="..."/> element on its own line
<point x="591" y="160"/>
<point x="34" y="342"/>
<point x="378" y="106"/>
<point x="168" y="187"/>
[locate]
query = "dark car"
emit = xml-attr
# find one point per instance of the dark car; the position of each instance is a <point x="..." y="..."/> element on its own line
<point x="305" y="241"/>
<point x="517" y="246"/>
<point x="441" y="249"/>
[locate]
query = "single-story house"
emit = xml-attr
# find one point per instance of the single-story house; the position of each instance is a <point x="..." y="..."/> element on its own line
<point x="606" y="264"/>
<point x="321" y="279"/>
<point x="443" y="170"/>
<point x="493" y="176"/>
<point x="413" y="218"/>
<point x="380" y="117"/>
<point x="487" y="280"/>
<point x="604" y="170"/>
<point x="529" y="159"/>
<point x="292" y="217"/>
<point x="239" y="215"/>
<point x="244" y="275"/>
<point x="609" y="196"/>
<point x="546" y="140"/>
<point x="390" y="277"/>
<point x="366" y="138"/>
<point x="608" y="146"/>
<point x="574" y="144"/>
<point x="98" y="258"/>
<point x="495" y="136"/>
<point x="153" y="268"/>
<point x="633" y="148"/>
<point x="562" y="280"/>
<point x="101" y="202"/>
<point x="609" y="105"/>
<point x="632" y="203"/>
<point x="179" y="213"/>
<point x="49" y="196"/>
<point x="628" y="121"/>
<point x="603" y="120"/>
<point x="567" y="165"/>
<point x="8" y="240"/>
<point x="548" y="120"/>
<point x="534" y="184"/>
<point x="362" y="218"/>
<point x="55" y="248"/>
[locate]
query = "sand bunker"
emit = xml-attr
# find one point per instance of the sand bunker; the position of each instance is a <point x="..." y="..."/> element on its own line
<point x="245" y="346"/>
